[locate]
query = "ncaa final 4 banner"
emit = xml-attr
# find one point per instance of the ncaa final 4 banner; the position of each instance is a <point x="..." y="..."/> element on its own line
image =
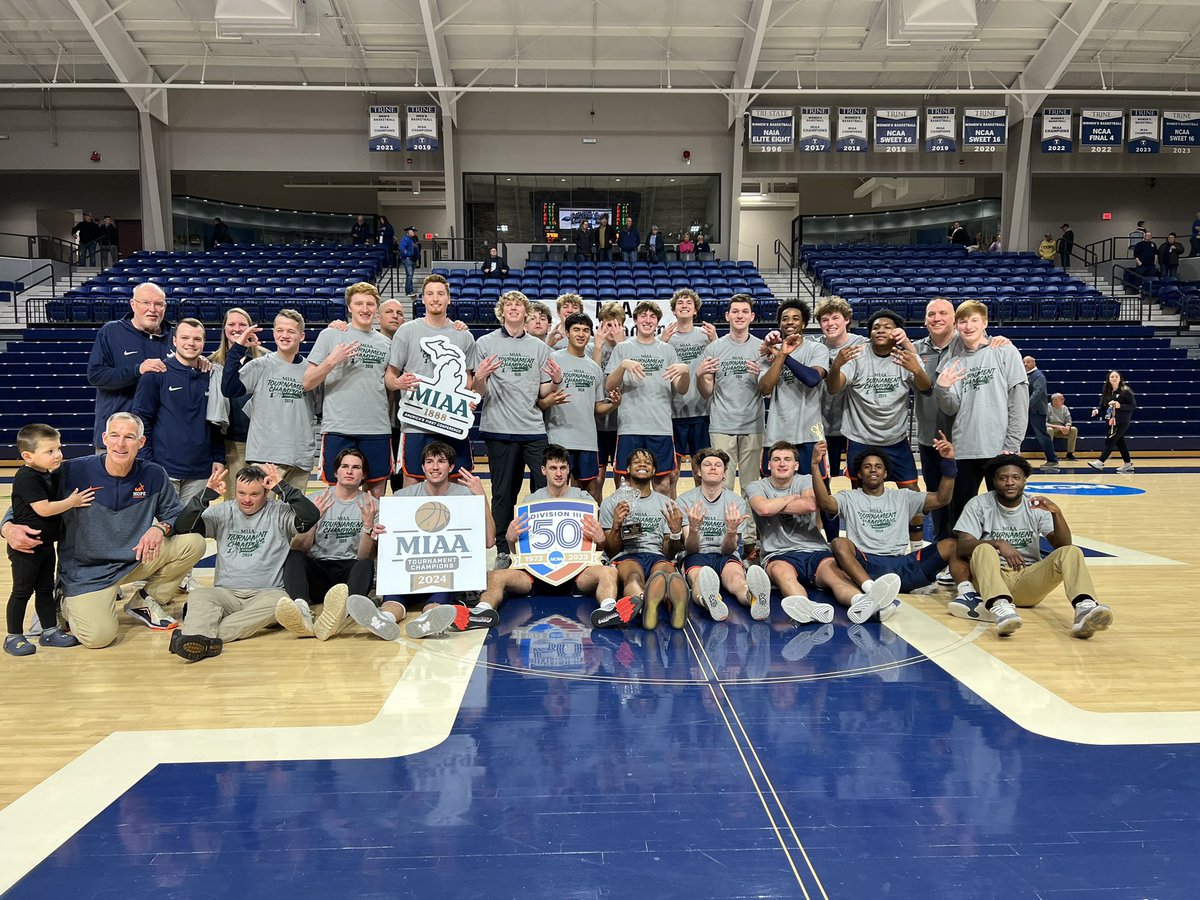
<point x="1100" y="130"/>
<point x="939" y="130"/>
<point x="1056" y="131"/>
<point x="1181" y="131"/>
<point x="815" y="136"/>
<point x="1143" y="131"/>
<point x="384" y="129"/>
<point x="985" y="130"/>
<point x="896" y="130"/>
<point x="772" y="130"/>
<point x="852" y="130"/>
<point x="422" y="129"/>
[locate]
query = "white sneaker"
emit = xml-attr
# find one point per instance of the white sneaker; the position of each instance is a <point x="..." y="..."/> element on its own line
<point x="1090" y="617"/>
<point x="945" y="579"/>
<point x="432" y="623"/>
<point x="1095" y="464"/>
<point x="1005" y="614"/>
<point x="295" y="616"/>
<point x="758" y="583"/>
<point x="1126" y="469"/>
<point x="882" y="594"/>
<point x="801" y="609"/>
<point x="709" y="591"/>
<point x="143" y="609"/>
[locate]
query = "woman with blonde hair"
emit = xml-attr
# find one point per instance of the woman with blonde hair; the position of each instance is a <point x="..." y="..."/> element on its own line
<point x="231" y="415"/>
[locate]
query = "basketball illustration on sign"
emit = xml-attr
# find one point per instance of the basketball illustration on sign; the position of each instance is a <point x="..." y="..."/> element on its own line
<point x="441" y="403"/>
<point x="432" y="516"/>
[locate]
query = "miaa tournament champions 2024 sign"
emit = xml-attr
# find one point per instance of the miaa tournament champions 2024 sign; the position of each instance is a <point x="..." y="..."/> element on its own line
<point x="432" y="544"/>
<point x="554" y="548"/>
<point x="441" y="404"/>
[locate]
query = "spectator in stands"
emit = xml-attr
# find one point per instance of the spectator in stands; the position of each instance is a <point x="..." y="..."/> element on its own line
<point x="1146" y="254"/>
<point x="87" y="230"/>
<point x="351" y="364"/>
<point x="1048" y="248"/>
<point x="410" y="252"/>
<point x="220" y="233"/>
<point x="702" y="245"/>
<point x="689" y="411"/>
<point x="125" y="535"/>
<point x="686" y="244"/>
<point x="605" y="238"/>
<point x="628" y="240"/>
<point x="585" y="242"/>
<point x="282" y="431"/>
<point x="959" y="235"/>
<point x="977" y="243"/>
<point x="609" y="333"/>
<point x="996" y="246"/>
<point x="253" y="537"/>
<point x="1117" y="403"/>
<point x="1137" y="235"/>
<point x="513" y="370"/>
<point x="494" y="266"/>
<point x="1066" y="245"/>
<point x="361" y="231"/>
<point x="1195" y="236"/>
<point x="656" y="245"/>
<point x="386" y="237"/>
<point x="109" y="240"/>
<point x="126" y="349"/>
<point x="1169" y="254"/>
<point x="1038" y="410"/>
<point x="230" y="414"/>
<point x="1058" y="423"/>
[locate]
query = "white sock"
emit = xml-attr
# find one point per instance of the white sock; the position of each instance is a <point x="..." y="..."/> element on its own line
<point x="866" y="585"/>
<point x="608" y="603"/>
<point x="856" y="598"/>
<point x="480" y="606"/>
<point x="965" y="587"/>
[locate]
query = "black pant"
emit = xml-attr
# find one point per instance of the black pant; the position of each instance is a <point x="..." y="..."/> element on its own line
<point x="507" y="461"/>
<point x="1115" y="441"/>
<point x="32" y="573"/>
<point x="306" y="578"/>
<point x="966" y="486"/>
<point x="931" y="472"/>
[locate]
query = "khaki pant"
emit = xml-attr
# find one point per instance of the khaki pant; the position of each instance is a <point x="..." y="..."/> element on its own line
<point x="293" y="475"/>
<point x="745" y="456"/>
<point x="1030" y="585"/>
<point x="235" y="461"/>
<point x="230" y="614"/>
<point x="93" y="617"/>
<point x="1070" y="437"/>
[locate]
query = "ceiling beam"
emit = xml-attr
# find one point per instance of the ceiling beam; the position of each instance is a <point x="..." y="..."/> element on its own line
<point x="747" y="61"/>
<point x="122" y="54"/>
<point x="1058" y="51"/>
<point x="439" y="57"/>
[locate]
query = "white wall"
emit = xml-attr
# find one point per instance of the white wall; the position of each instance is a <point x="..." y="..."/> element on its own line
<point x="27" y="201"/>
<point x="763" y="227"/>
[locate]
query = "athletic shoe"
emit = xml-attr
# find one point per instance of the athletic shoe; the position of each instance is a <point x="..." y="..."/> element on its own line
<point x="1095" y="464"/>
<point x="656" y="590"/>
<point x="142" y="609"/>
<point x="1070" y="456"/>
<point x="19" y="645"/>
<point x="295" y="616"/>
<point x="371" y="617"/>
<point x="758" y="587"/>
<point x="709" y="594"/>
<point x="1047" y="470"/>
<point x="886" y="612"/>
<point x="801" y="609"/>
<point x="945" y="579"/>
<point x="883" y="591"/>
<point x="333" y="613"/>
<point x="56" y="637"/>
<point x="680" y="596"/>
<point x="432" y="623"/>
<point x="1005" y="614"/>
<point x="194" y="647"/>
<point x="467" y="618"/>
<point x="621" y="614"/>
<point x="1126" y="469"/>
<point x="503" y="560"/>
<point x="1090" y="617"/>
<point x="969" y="606"/>
<point x="800" y="646"/>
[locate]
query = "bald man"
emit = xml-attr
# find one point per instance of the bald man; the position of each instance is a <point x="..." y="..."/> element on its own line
<point x="1039" y="407"/>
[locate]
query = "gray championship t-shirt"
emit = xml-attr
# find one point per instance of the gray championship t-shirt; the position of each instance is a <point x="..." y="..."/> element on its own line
<point x="608" y="421"/>
<point x="356" y="401"/>
<point x="250" y="549"/>
<point x="407" y="354"/>
<point x="689" y="347"/>
<point x="712" y="526"/>
<point x="833" y="405"/>
<point x="648" y="512"/>
<point x="879" y="524"/>
<point x="736" y="406"/>
<point x="283" y="416"/>
<point x="510" y="405"/>
<point x="1023" y="526"/>
<point x="422" y="490"/>
<point x="876" y="399"/>
<point x="645" y="403"/>
<point x="338" y="533"/>
<point x="569" y="493"/>
<point x="573" y="424"/>
<point x="783" y="532"/>
<point x="981" y="421"/>
<point x="795" y="407"/>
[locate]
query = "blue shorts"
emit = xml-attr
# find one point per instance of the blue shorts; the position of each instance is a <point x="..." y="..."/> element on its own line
<point x="377" y="448"/>
<point x="585" y="464"/>
<point x="715" y="561"/>
<point x="915" y="569"/>
<point x="606" y="444"/>
<point x="646" y="560"/>
<point x="805" y="451"/>
<point x="661" y="445"/>
<point x="901" y="468"/>
<point x="804" y="562"/>
<point x="413" y="443"/>
<point x="691" y="435"/>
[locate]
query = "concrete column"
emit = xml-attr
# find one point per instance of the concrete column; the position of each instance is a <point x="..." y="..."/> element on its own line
<point x="733" y="228"/>
<point x="1017" y="183"/>
<point x="154" y="177"/>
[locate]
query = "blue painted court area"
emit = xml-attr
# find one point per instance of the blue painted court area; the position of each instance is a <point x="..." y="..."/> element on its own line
<point x="736" y="760"/>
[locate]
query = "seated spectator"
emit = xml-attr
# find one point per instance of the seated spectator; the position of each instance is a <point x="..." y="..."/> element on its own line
<point x="702" y="245"/>
<point x="686" y="245"/>
<point x="1058" y="423"/>
<point x="996" y="246"/>
<point x="494" y="266"/>
<point x="1048" y="248"/>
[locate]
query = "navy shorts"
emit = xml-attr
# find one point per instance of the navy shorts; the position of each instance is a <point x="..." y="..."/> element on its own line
<point x="377" y="448"/>
<point x="916" y="569"/>
<point x="901" y="467"/>
<point x="606" y="444"/>
<point x="715" y="561"/>
<point x="585" y="464"/>
<point x="661" y="445"/>
<point x="804" y="562"/>
<point x="413" y="443"/>
<point x="691" y="435"/>
<point x="646" y="560"/>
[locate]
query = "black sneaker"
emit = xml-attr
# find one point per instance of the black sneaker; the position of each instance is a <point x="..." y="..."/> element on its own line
<point x="194" y="647"/>
<point x="621" y="614"/>
<point x="467" y="619"/>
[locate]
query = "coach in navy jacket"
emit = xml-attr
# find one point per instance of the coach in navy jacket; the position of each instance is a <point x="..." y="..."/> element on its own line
<point x="125" y="350"/>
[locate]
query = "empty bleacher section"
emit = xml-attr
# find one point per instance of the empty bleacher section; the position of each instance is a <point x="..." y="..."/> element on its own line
<point x="1017" y="287"/>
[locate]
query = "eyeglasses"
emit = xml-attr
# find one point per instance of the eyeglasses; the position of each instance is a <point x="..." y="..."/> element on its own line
<point x="151" y="304"/>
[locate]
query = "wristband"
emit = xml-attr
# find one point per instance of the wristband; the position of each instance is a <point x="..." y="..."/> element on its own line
<point x="163" y="527"/>
<point x="676" y="535"/>
<point x="949" y="468"/>
<point x="367" y="530"/>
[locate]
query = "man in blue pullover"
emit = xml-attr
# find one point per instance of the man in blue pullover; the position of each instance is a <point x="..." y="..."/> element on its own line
<point x="125" y="350"/>
<point x="410" y="252"/>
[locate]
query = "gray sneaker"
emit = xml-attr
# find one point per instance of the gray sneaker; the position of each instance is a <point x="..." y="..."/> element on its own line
<point x="371" y="617"/>
<point x="1047" y="470"/>
<point x="432" y="623"/>
<point x="802" y="610"/>
<point x="1090" y="617"/>
<point x="1005" y="614"/>
<point x="709" y="594"/>
<point x="503" y="560"/>
<point x="758" y="585"/>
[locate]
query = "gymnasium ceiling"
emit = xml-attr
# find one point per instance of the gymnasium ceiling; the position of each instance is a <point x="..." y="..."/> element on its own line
<point x="736" y="48"/>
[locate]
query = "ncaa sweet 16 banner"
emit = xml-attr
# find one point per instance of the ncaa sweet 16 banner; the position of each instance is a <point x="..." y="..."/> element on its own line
<point x="896" y="130"/>
<point x="1181" y="129"/>
<point x="554" y="548"/>
<point x="432" y="544"/>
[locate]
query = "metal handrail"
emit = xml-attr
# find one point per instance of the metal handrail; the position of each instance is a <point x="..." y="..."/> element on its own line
<point x="783" y="252"/>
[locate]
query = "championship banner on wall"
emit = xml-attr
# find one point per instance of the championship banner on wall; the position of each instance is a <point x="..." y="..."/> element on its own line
<point x="554" y="548"/>
<point x="441" y="404"/>
<point x="895" y="130"/>
<point x="815" y="136"/>
<point x="1143" y="131"/>
<point x="852" y="130"/>
<point x="985" y="129"/>
<point x="432" y="544"/>
<point x="1181" y="129"/>
<point x="772" y="130"/>
<point x="384" y="129"/>
<point x="1056" y="131"/>
<point x="422" y="128"/>
<point x="1101" y="129"/>
<point x="939" y="129"/>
